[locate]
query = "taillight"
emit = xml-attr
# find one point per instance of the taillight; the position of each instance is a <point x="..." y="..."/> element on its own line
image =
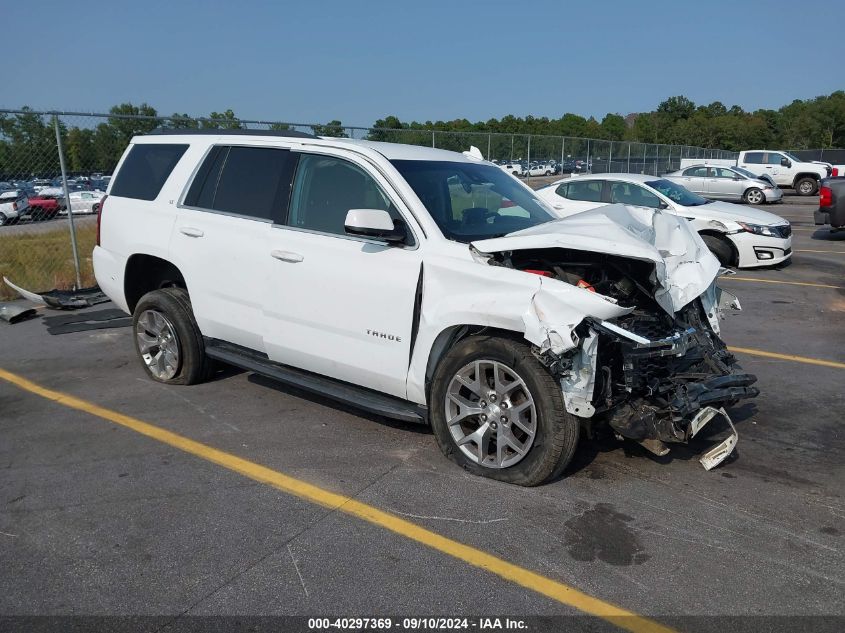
<point x="585" y="285"/>
<point x="835" y="172"/>
<point x="100" y="217"/>
<point x="825" y="197"/>
<point x="15" y="205"/>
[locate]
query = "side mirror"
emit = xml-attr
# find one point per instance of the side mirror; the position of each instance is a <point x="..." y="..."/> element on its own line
<point x="374" y="223"/>
<point x="662" y="205"/>
<point x="785" y="162"/>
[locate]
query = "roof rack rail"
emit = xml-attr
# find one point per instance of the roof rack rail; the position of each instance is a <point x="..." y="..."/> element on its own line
<point x="218" y="132"/>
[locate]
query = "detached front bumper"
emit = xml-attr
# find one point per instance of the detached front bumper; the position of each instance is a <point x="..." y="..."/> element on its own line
<point x="676" y="385"/>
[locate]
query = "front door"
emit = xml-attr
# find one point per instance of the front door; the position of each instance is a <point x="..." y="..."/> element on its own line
<point x="724" y="183"/>
<point x="337" y="304"/>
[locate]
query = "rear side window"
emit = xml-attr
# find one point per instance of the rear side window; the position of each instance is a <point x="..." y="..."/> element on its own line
<point x="146" y="169"/>
<point x="755" y="158"/>
<point x="248" y="181"/>
<point x="588" y="191"/>
<point x="561" y="190"/>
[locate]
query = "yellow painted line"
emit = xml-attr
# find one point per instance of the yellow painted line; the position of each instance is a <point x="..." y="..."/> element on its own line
<point x="809" y="251"/>
<point x="776" y="281"/>
<point x="797" y="359"/>
<point x="553" y="589"/>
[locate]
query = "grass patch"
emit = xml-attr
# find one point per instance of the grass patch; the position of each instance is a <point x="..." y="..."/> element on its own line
<point x="42" y="261"/>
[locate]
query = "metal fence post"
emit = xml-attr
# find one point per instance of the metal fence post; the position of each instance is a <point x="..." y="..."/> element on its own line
<point x="610" y="158"/>
<point x="629" y="158"/>
<point x="529" y="157"/>
<point x="489" y="138"/>
<point x="511" y="147"/>
<point x="562" y="148"/>
<point x="589" y="162"/>
<point x="67" y="202"/>
<point x="432" y="138"/>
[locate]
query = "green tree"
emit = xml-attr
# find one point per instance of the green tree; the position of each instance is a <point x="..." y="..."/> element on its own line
<point x="332" y="128"/>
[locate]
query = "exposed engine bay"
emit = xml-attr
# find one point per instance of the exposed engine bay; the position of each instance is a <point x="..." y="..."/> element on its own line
<point x="650" y="376"/>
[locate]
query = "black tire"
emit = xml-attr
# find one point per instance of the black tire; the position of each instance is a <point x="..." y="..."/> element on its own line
<point x="720" y="248"/>
<point x="754" y="196"/>
<point x="3" y="219"/>
<point x="193" y="366"/>
<point x="806" y="186"/>
<point x="95" y="208"/>
<point x="557" y="430"/>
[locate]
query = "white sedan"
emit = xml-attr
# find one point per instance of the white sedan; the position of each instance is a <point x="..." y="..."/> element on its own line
<point x="739" y="236"/>
<point x="83" y="201"/>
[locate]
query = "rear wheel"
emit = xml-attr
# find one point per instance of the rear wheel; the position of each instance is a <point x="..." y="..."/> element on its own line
<point x="3" y="219"/>
<point x="167" y="338"/>
<point x="806" y="186"/>
<point x="720" y="248"/>
<point x="498" y="413"/>
<point x="754" y="196"/>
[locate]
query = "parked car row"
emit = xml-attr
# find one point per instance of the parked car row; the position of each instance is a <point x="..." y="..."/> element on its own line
<point x="20" y="204"/>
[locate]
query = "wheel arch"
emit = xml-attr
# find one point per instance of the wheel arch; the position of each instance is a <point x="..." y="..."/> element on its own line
<point x="721" y="235"/>
<point x="145" y="273"/>
<point x="451" y="335"/>
<point x="805" y="174"/>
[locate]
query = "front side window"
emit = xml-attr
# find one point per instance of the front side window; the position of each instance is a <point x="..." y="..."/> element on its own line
<point x="629" y="193"/>
<point x="561" y="190"/>
<point x="248" y="181"/>
<point x="697" y="172"/>
<point x="145" y="170"/>
<point x="470" y="201"/>
<point x="774" y="159"/>
<point x="326" y="188"/>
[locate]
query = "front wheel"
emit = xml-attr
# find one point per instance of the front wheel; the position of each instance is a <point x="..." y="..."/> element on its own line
<point x="720" y="248"/>
<point x="167" y="338"/>
<point x="498" y="413"/>
<point x="754" y="196"/>
<point x="3" y="219"/>
<point x="806" y="186"/>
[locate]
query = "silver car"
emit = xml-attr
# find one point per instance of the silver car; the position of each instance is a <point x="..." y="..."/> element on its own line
<point x="726" y="183"/>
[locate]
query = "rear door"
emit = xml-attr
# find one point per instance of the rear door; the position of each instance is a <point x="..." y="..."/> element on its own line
<point x="755" y="162"/>
<point x="695" y="179"/>
<point x="221" y="239"/>
<point x="337" y="304"/>
<point x="576" y="195"/>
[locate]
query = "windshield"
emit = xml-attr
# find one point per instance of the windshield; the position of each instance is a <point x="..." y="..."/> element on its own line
<point x="677" y="193"/>
<point x="791" y="157"/>
<point x="745" y="172"/>
<point x="472" y="201"/>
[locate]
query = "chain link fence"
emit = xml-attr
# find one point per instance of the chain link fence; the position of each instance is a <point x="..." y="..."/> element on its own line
<point x="55" y="168"/>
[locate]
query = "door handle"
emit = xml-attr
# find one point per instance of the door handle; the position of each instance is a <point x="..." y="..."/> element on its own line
<point x="190" y="231"/>
<point x="287" y="256"/>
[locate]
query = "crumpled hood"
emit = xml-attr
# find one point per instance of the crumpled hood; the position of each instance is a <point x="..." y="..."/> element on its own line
<point x="684" y="267"/>
<point x="718" y="210"/>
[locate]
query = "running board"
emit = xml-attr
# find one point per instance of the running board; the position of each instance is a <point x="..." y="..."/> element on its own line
<point x="360" y="397"/>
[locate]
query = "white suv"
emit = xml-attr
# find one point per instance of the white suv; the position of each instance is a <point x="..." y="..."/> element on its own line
<point x="419" y="284"/>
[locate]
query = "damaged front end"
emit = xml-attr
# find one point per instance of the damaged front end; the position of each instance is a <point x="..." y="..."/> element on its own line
<point x="657" y="371"/>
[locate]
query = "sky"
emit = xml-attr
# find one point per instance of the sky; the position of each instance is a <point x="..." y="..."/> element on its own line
<point x="313" y="61"/>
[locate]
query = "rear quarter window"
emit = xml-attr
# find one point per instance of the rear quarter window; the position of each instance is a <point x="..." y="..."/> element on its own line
<point x="145" y="170"/>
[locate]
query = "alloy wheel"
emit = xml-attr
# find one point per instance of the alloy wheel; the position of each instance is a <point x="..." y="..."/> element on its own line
<point x="157" y="344"/>
<point x="491" y="414"/>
